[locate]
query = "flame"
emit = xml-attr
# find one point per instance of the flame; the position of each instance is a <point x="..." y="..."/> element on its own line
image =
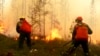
<point x="94" y="42"/>
<point x="36" y="37"/>
<point x="54" y="34"/>
<point x="1" y="27"/>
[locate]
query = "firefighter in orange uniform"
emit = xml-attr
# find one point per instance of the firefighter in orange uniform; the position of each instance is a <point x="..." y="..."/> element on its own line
<point x="24" y="29"/>
<point x="80" y="35"/>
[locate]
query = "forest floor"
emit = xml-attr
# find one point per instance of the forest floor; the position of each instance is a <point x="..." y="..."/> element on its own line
<point x="41" y="48"/>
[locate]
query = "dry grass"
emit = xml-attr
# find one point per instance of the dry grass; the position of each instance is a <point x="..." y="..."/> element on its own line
<point x="40" y="48"/>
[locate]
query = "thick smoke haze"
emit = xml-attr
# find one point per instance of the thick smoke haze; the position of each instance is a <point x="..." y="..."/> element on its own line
<point x="62" y="12"/>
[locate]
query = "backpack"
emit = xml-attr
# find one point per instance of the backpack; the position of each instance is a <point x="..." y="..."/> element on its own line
<point x="25" y="27"/>
<point x="81" y="32"/>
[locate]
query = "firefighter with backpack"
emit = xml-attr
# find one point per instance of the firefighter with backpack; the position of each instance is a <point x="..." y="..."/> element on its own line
<point x="24" y="30"/>
<point x="80" y="37"/>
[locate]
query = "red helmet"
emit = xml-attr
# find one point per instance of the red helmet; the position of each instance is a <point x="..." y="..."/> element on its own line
<point x="79" y="18"/>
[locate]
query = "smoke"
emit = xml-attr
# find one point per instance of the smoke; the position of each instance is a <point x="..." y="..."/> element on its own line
<point x="63" y="14"/>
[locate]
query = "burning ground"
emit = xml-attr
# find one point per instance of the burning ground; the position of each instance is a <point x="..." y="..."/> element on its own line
<point x="40" y="48"/>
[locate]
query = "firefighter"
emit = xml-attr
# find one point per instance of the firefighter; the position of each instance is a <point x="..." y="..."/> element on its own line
<point x="24" y="30"/>
<point x="80" y="35"/>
